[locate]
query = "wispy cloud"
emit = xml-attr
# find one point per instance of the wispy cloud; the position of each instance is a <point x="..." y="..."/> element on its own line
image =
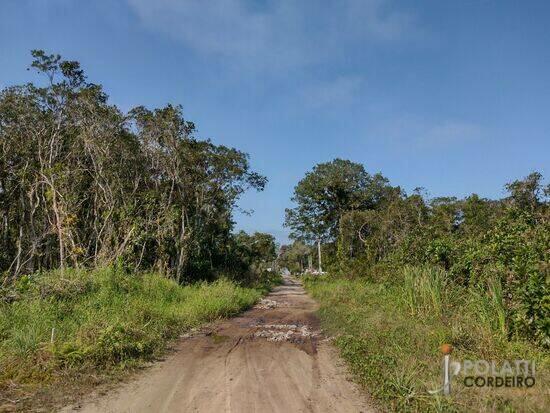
<point x="378" y="20"/>
<point x="341" y="91"/>
<point x="450" y="132"/>
<point x="412" y="131"/>
<point x="284" y="33"/>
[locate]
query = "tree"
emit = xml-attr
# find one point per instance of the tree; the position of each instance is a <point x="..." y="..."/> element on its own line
<point x="329" y="191"/>
<point x="294" y="257"/>
<point x="529" y="192"/>
<point x="477" y="214"/>
<point x="375" y="233"/>
<point x="82" y="183"/>
<point x="257" y="251"/>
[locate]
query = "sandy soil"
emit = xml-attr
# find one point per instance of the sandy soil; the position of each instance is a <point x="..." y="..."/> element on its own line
<point x="272" y="358"/>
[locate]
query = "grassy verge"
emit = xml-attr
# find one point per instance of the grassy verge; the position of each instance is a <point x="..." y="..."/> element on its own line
<point x="59" y="327"/>
<point x="389" y="332"/>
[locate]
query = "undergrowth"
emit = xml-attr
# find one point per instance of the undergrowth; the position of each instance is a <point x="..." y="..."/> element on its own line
<point x="390" y="329"/>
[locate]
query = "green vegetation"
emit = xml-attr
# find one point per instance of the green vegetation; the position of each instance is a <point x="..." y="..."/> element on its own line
<point x="500" y="246"/>
<point x="84" y="184"/>
<point x="389" y="327"/>
<point x="58" y="324"/>
<point x="410" y="273"/>
<point x="111" y="224"/>
<point x="105" y="215"/>
<point x="294" y="257"/>
<point x="326" y="193"/>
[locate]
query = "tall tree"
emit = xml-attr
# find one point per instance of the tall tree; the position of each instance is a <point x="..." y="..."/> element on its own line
<point x="81" y="183"/>
<point x="329" y="191"/>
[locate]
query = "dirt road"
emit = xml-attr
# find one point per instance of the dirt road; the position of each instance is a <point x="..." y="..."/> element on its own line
<point x="270" y="359"/>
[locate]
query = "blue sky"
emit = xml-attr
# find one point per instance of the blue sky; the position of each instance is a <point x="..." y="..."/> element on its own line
<point x="453" y="96"/>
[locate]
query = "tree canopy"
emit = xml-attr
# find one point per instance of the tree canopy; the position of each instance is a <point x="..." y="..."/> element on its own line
<point x="82" y="183"/>
<point x="327" y="192"/>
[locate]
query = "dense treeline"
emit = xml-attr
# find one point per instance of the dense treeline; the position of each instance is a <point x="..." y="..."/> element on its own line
<point x="84" y="184"/>
<point x="368" y="227"/>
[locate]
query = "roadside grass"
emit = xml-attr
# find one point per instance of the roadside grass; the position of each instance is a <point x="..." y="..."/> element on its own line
<point x="57" y="326"/>
<point x="390" y="330"/>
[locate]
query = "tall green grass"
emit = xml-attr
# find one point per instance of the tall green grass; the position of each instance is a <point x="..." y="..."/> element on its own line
<point x="424" y="289"/>
<point x="101" y="319"/>
<point x="389" y="330"/>
<point x="489" y="306"/>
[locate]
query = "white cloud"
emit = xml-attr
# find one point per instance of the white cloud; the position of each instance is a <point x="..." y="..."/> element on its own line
<point x="282" y="33"/>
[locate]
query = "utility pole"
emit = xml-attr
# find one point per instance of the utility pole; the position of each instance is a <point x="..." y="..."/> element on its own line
<point x="319" y="252"/>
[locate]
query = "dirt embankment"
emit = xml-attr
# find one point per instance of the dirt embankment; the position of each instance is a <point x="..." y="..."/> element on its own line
<point x="272" y="358"/>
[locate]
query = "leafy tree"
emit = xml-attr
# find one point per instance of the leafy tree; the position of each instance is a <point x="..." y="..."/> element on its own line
<point x="294" y="257"/>
<point x="257" y="251"/>
<point x="527" y="193"/>
<point x="326" y="193"/>
<point x="82" y="183"/>
<point x="477" y="214"/>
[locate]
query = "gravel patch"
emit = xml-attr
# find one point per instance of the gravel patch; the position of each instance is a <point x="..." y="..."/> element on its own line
<point x="284" y="332"/>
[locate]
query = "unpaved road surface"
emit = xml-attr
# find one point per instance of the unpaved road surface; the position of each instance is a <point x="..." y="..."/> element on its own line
<point x="272" y="358"/>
